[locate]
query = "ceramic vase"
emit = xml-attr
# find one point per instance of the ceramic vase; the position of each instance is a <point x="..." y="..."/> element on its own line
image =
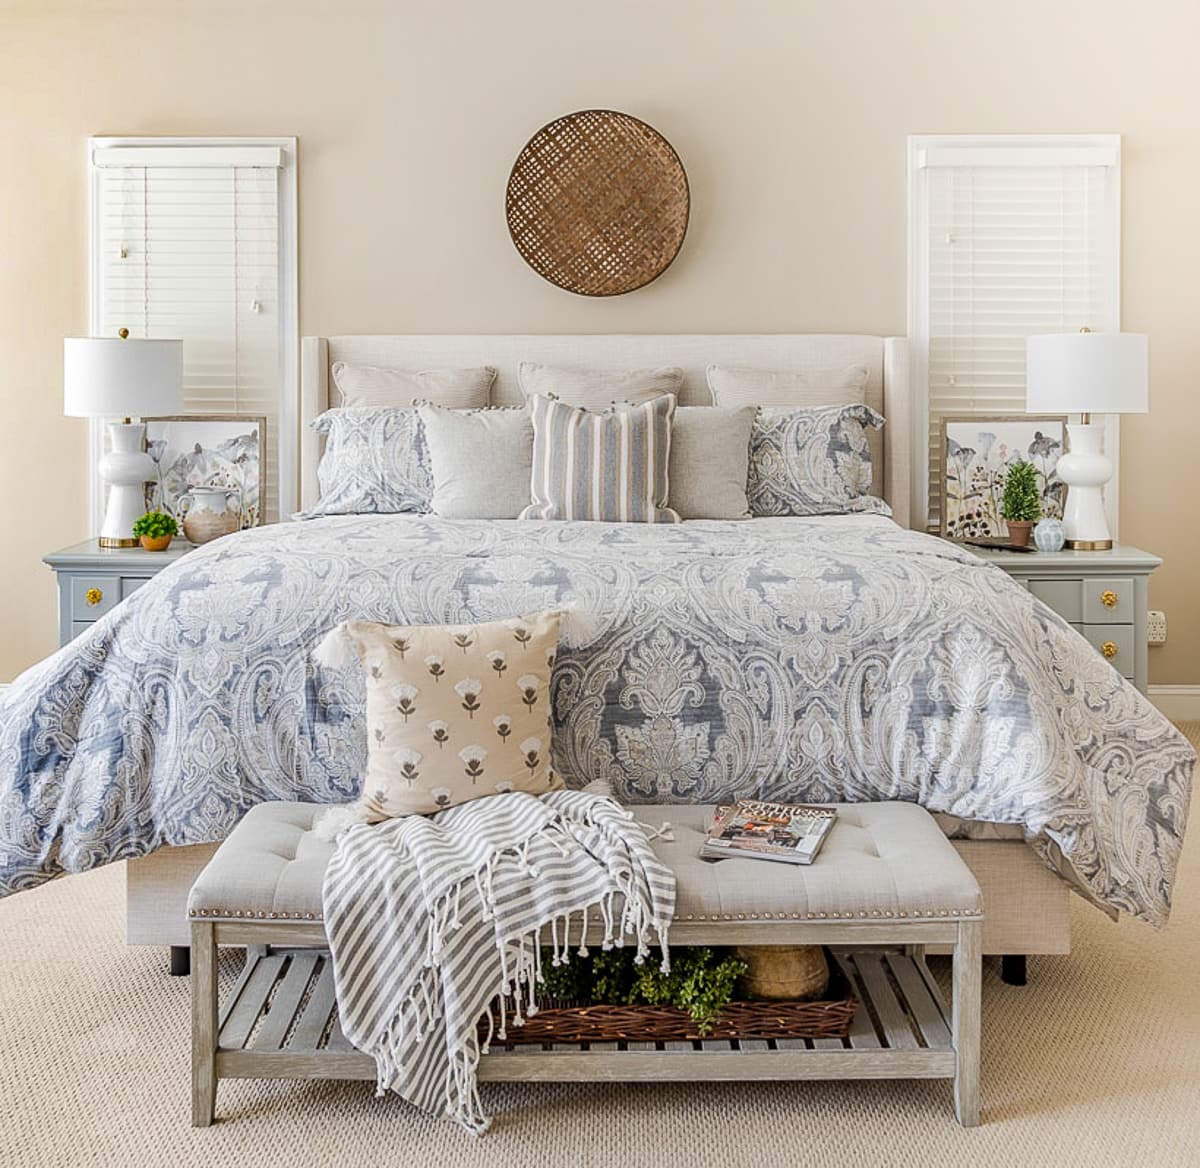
<point x="1049" y="535"/>
<point x="210" y="512"/>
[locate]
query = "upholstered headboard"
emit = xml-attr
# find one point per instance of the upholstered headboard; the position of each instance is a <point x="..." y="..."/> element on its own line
<point x="886" y="359"/>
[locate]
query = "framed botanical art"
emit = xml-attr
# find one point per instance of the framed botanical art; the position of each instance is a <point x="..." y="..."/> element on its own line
<point x="974" y="459"/>
<point x="210" y="450"/>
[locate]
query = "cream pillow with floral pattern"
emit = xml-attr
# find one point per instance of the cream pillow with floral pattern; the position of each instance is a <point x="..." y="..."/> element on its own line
<point x="455" y="712"/>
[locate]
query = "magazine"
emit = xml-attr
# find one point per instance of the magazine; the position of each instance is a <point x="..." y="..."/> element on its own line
<point x="791" y="833"/>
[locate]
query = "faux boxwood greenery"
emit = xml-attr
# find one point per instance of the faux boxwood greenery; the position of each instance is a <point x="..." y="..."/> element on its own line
<point x="155" y="524"/>
<point x="701" y="981"/>
<point x="1022" y="499"/>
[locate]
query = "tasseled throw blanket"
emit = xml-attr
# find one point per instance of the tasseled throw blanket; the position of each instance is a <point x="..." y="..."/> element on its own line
<point x="431" y="919"/>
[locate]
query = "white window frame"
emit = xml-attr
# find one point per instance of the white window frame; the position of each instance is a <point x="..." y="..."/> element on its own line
<point x="1099" y="147"/>
<point x="289" y="303"/>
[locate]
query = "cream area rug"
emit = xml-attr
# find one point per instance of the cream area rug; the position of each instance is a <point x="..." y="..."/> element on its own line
<point x="1095" y="1062"/>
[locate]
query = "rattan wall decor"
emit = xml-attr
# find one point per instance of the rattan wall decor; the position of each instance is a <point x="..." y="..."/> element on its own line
<point x="598" y="203"/>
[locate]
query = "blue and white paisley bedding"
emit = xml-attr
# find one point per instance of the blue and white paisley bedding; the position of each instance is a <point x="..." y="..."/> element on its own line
<point x="831" y="658"/>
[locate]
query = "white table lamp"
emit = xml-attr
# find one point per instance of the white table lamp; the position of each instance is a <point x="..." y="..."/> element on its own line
<point x="122" y="378"/>
<point x="1086" y="373"/>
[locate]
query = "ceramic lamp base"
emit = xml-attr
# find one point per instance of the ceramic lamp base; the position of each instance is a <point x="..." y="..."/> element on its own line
<point x="125" y="468"/>
<point x="1085" y="469"/>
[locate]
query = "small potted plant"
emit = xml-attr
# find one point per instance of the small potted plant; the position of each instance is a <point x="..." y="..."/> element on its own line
<point x="154" y="530"/>
<point x="1021" y="507"/>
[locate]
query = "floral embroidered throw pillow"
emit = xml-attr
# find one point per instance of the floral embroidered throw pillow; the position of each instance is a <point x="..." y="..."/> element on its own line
<point x="455" y="712"/>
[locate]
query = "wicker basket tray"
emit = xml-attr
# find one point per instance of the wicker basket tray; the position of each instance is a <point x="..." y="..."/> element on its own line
<point x="598" y="203"/>
<point x="556" y="1022"/>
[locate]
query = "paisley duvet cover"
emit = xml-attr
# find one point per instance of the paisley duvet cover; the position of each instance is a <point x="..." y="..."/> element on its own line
<point x="831" y="658"/>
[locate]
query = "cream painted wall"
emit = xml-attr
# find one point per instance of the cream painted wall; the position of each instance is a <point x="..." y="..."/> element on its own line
<point x="790" y="117"/>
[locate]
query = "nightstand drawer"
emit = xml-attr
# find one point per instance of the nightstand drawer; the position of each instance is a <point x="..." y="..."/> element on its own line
<point x="1108" y="600"/>
<point x="1115" y="642"/>
<point x="93" y="596"/>
<point x="1064" y="596"/>
<point x="130" y="584"/>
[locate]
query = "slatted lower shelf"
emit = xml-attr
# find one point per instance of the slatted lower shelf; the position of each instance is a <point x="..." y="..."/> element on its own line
<point x="280" y="1021"/>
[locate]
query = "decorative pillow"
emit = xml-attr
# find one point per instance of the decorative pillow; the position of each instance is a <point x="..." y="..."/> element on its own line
<point x="482" y="461"/>
<point x="813" y="462"/>
<point x="737" y="385"/>
<point x="454" y="712"/>
<point x="610" y="466"/>
<point x="375" y="460"/>
<point x="710" y="456"/>
<point x="369" y="385"/>
<point x="595" y="389"/>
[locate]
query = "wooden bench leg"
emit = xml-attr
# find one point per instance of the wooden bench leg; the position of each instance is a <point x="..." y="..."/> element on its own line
<point x="204" y="1023"/>
<point x="965" y="1021"/>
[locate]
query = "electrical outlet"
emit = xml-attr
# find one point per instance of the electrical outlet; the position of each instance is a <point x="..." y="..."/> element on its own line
<point x="1156" y="627"/>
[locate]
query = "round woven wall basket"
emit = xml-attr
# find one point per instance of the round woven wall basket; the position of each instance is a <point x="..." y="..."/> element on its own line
<point x="598" y="203"/>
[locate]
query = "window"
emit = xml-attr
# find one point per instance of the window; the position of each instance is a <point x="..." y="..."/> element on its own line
<point x="1008" y="236"/>
<point x="196" y="238"/>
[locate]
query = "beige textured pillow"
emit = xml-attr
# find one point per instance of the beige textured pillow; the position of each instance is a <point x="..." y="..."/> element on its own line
<point x="482" y="461"/>
<point x="455" y="712"/>
<point x="369" y="385"/>
<point x="710" y="461"/>
<point x="597" y="389"/>
<point x="736" y="385"/>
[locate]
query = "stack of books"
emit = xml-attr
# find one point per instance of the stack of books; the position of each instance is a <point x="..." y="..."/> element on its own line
<point x="790" y="833"/>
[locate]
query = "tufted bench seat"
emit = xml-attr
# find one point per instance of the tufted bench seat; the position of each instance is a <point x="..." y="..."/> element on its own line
<point x="886" y="876"/>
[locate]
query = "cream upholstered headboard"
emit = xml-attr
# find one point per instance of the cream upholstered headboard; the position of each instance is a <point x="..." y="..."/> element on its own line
<point x="886" y="360"/>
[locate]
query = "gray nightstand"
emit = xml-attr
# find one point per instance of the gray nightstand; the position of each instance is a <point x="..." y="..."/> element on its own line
<point x="1102" y="594"/>
<point x="92" y="579"/>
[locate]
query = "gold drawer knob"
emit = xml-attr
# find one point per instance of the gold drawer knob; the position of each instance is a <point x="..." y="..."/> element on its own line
<point x="93" y="596"/>
<point x="1109" y="649"/>
<point x="1109" y="598"/>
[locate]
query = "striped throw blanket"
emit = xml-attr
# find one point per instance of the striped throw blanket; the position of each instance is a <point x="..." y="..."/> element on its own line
<point x="431" y="919"/>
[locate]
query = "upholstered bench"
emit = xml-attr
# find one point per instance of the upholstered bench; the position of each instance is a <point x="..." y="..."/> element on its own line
<point x="886" y="884"/>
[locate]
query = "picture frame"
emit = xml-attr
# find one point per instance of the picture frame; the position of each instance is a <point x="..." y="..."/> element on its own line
<point x="974" y="455"/>
<point x="198" y="450"/>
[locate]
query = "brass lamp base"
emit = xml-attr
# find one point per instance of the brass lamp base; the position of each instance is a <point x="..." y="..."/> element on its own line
<point x="1089" y="545"/>
<point x="109" y="541"/>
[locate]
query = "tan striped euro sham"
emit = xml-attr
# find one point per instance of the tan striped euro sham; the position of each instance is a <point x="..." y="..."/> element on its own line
<point x="609" y="466"/>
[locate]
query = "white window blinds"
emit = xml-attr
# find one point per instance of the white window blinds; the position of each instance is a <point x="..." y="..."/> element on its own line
<point x="187" y="243"/>
<point x="1010" y="238"/>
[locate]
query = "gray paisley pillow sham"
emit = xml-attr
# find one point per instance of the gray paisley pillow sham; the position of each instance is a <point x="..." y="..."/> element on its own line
<point x="812" y="461"/>
<point x="375" y="462"/>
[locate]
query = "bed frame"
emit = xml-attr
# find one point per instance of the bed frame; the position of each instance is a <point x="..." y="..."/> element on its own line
<point x="1026" y="903"/>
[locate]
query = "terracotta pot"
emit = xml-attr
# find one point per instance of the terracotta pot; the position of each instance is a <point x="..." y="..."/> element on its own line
<point x="1018" y="531"/>
<point x="783" y="973"/>
<point x="155" y="543"/>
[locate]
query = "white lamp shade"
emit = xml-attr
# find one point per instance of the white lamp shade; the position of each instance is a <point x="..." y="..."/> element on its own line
<point x="1097" y="373"/>
<point x="111" y="378"/>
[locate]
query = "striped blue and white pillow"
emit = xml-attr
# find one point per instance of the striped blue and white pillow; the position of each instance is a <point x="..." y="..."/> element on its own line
<point x="609" y="466"/>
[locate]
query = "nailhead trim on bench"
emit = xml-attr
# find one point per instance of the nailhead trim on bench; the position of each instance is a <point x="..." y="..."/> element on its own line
<point x="958" y="913"/>
<point x="232" y="913"/>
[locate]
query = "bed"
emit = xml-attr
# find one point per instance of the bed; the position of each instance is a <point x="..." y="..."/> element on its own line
<point x="719" y="659"/>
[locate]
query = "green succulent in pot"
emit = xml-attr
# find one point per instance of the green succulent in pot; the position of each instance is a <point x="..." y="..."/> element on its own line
<point x="155" y="529"/>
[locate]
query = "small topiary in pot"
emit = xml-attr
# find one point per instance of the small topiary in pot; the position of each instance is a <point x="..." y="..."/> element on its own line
<point x="154" y="530"/>
<point x="1021" y="506"/>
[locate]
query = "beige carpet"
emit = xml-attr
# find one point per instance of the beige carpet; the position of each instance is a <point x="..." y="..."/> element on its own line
<point x="1096" y="1062"/>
